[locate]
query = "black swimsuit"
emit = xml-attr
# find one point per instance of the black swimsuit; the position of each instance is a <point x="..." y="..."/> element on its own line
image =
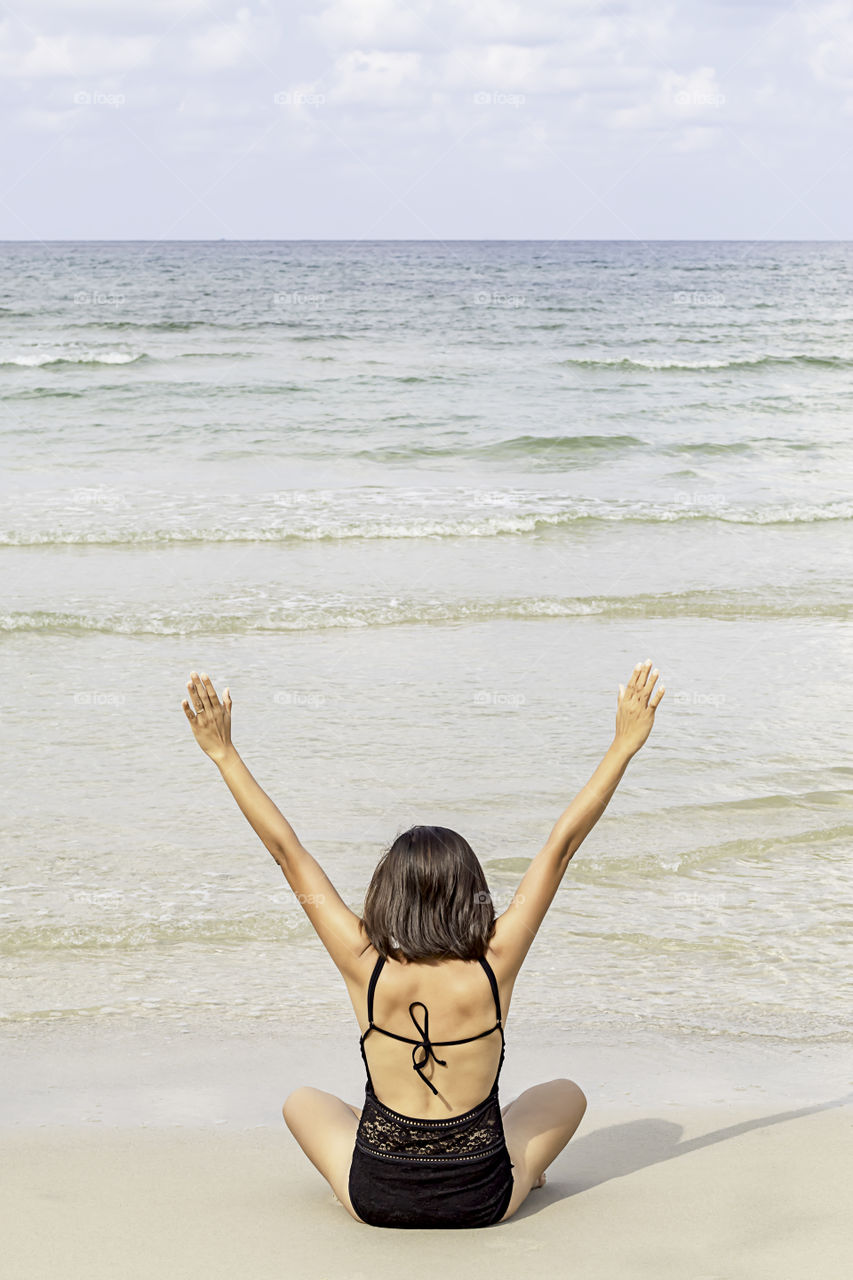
<point x="412" y="1172"/>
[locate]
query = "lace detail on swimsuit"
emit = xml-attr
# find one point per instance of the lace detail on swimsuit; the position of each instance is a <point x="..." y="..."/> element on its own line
<point x="469" y="1137"/>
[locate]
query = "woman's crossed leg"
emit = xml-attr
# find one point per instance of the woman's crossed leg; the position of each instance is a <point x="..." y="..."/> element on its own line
<point x="325" y="1128"/>
<point x="537" y="1125"/>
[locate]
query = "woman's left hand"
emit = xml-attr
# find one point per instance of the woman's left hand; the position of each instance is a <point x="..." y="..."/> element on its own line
<point x="211" y="723"/>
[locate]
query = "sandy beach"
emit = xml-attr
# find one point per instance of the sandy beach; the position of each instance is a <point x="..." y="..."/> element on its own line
<point x="132" y="1152"/>
<point x="706" y="1194"/>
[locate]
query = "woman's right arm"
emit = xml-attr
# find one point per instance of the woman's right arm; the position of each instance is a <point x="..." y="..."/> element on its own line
<point x="516" y="928"/>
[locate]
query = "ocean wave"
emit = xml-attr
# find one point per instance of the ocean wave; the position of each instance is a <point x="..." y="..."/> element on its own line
<point x="46" y="393"/>
<point x="515" y="446"/>
<point x="321" y="516"/>
<point x="752" y="849"/>
<point x="46" y="359"/>
<point x="136" y="931"/>
<point x="156" y="326"/>
<point x="317" y="613"/>
<point x="699" y="869"/>
<point x="210" y="355"/>
<point x="714" y="447"/>
<point x="323" y="337"/>
<point x="566" y="447"/>
<point x="753" y="444"/>
<point x="149" y="388"/>
<point x="49" y="360"/>
<point x="692" y="366"/>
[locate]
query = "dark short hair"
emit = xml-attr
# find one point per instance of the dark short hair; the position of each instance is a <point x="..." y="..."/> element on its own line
<point x="428" y="898"/>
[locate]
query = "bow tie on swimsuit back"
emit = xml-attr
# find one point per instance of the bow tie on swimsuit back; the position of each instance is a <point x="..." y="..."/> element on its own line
<point x="424" y="1046"/>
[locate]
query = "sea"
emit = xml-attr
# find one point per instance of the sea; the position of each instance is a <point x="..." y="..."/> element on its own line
<point x="422" y="506"/>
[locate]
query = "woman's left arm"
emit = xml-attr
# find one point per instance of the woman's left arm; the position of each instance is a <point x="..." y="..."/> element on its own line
<point x="339" y="929"/>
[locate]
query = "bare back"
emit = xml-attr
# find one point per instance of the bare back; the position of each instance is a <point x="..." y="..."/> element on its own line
<point x="459" y="1003"/>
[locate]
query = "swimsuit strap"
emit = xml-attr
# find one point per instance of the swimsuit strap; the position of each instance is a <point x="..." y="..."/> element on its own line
<point x="494" y="985"/>
<point x="377" y="969"/>
<point x="493" y="982"/>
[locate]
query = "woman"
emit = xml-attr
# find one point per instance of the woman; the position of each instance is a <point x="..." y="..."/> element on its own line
<point x="431" y="1146"/>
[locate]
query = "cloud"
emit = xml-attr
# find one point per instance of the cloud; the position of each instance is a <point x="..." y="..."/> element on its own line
<point x="374" y="24"/>
<point x="566" y="62"/>
<point x="69" y="55"/>
<point x="350" y="103"/>
<point x="227" y="46"/>
<point x="675" y="99"/>
<point x="830" y="31"/>
<point x="88" y="39"/>
<point x="380" y="78"/>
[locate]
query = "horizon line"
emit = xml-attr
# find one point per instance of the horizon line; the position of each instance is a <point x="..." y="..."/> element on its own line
<point x="549" y="240"/>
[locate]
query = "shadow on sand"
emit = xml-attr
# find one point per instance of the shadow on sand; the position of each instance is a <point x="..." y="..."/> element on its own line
<point x="622" y="1149"/>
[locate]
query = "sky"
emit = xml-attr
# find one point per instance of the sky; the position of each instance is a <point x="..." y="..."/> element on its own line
<point x="432" y="119"/>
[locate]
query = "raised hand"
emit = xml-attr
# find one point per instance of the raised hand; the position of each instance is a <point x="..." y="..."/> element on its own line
<point x="211" y="723"/>
<point x="635" y="713"/>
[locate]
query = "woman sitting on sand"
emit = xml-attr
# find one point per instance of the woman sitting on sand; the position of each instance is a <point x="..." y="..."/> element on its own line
<point x="431" y="1146"/>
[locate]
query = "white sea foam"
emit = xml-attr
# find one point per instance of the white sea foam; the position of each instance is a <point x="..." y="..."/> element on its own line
<point x="57" y="356"/>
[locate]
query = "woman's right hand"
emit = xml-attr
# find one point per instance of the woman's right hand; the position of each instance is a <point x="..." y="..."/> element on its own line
<point x="635" y="713"/>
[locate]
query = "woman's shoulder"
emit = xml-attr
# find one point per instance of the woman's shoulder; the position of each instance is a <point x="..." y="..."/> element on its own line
<point x="457" y="974"/>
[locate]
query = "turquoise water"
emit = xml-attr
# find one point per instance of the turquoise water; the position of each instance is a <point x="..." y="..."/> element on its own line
<point x="422" y="507"/>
